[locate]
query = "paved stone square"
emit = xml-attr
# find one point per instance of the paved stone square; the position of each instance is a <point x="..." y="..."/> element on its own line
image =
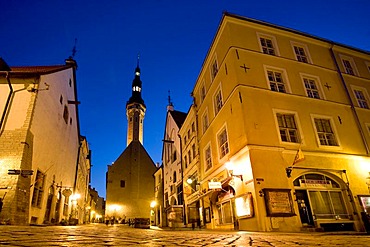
<point x="121" y="235"/>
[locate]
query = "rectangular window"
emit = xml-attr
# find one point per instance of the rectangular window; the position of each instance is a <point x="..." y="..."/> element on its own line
<point x="311" y="88"/>
<point x="123" y="184"/>
<point x="214" y="69"/>
<point x="301" y="54"/>
<point x="348" y="67"/>
<point x="325" y="132"/>
<point x="186" y="161"/>
<point x="205" y="122"/>
<point x="203" y="93"/>
<point x="267" y="46"/>
<point x="276" y="81"/>
<point x="361" y="99"/>
<point x="189" y="134"/>
<point x="193" y="127"/>
<point x="223" y="143"/>
<point x="218" y="101"/>
<point x="208" y="158"/>
<point x="288" y="128"/>
<point x="38" y="189"/>
<point x="189" y="155"/>
<point x="194" y="152"/>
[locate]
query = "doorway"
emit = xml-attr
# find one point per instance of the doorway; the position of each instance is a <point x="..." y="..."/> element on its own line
<point x="304" y="208"/>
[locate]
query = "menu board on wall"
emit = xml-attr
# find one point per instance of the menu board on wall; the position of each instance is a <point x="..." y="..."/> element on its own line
<point x="278" y="202"/>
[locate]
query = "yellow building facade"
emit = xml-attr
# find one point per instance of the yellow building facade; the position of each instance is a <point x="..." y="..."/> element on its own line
<point x="283" y="125"/>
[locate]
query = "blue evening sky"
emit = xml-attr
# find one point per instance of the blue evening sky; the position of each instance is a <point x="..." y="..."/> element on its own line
<point x="172" y="38"/>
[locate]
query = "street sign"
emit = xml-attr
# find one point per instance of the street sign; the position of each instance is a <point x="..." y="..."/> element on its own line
<point x="26" y="172"/>
<point x="14" y="172"/>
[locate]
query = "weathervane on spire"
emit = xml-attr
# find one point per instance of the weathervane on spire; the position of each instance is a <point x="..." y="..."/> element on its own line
<point x="169" y="98"/>
<point x="74" y="50"/>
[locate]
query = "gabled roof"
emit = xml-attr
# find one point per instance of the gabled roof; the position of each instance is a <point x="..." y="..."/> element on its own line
<point x="179" y="117"/>
<point x="39" y="70"/>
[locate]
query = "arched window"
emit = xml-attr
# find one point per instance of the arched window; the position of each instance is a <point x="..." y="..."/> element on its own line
<point x="324" y="194"/>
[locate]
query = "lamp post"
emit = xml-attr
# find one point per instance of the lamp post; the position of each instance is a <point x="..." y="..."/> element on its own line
<point x="74" y="210"/>
<point x="230" y="169"/>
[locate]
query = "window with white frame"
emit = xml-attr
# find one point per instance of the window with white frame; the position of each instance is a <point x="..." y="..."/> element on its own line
<point x="218" y="103"/>
<point x="223" y="143"/>
<point x="301" y="52"/>
<point x="349" y="65"/>
<point x="287" y="127"/>
<point x="311" y="85"/>
<point x="361" y="97"/>
<point x="205" y="121"/>
<point x="208" y="157"/>
<point x="214" y="69"/>
<point x="267" y="45"/>
<point x="276" y="80"/>
<point x="325" y="132"/>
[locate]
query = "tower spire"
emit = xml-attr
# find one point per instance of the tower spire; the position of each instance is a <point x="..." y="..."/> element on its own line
<point x="135" y="109"/>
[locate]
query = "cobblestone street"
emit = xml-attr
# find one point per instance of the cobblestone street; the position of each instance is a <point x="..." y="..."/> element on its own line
<point x="121" y="235"/>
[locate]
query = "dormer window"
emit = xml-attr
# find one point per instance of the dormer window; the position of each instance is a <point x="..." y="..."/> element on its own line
<point x="136" y="88"/>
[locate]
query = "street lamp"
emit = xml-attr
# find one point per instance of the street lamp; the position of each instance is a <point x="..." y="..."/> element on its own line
<point x="230" y="169"/>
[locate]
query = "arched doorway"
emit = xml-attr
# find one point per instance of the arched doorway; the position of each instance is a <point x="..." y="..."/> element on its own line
<point x="322" y="202"/>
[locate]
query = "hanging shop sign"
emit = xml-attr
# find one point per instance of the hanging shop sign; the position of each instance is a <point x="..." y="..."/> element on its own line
<point x="214" y="185"/>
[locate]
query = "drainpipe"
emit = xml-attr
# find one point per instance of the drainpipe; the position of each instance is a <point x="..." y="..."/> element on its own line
<point x="357" y="120"/>
<point x="7" y="101"/>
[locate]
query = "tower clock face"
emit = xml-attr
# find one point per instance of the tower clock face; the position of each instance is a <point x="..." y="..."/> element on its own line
<point x="137" y="73"/>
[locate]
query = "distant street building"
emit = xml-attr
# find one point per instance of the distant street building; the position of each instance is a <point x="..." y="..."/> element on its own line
<point x="172" y="168"/>
<point x="157" y="213"/>
<point x="283" y="129"/>
<point x="130" y="181"/>
<point x="39" y="144"/>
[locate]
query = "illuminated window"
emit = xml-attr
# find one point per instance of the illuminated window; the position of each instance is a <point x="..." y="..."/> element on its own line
<point x="287" y="127"/>
<point x="223" y="143"/>
<point x="311" y="88"/>
<point x="208" y="157"/>
<point x="218" y="103"/>
<point x="325" y="132"/>
<point x="225" y="212"/>
<point x="136" y="89"/>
